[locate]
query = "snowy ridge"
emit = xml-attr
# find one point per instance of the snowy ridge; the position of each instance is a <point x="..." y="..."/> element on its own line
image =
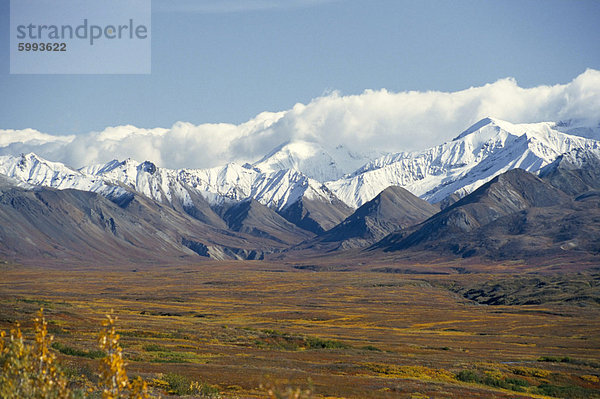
<point x="36" y="171"/>
<point x="583" y="128"/>
<point x="488" y="148"/>
<point x="312" y="159"/>
<point x="230" y="182"/>
<point x="277" y="189"/>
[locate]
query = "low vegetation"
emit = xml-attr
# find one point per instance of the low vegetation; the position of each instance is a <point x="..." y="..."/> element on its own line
<point x="292" y="334"/>
<point x="494" y="380"/>
<point x="31" y="370"/>
<point x="69" y="350"/>
<point x="275" y="339"/>
<point x="181" y="385"/>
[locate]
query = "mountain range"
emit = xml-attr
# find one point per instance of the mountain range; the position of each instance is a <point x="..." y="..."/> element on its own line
<point x="487" y="193"/>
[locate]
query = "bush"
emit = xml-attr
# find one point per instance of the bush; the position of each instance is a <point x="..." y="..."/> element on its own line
<point x="566" y="359"/>
<point x="517" y="382"/>
<point x="32" y="371"/>
<point x="493" y="380"/>
<point x="178" y="384"/>
<point x="181" y="385"/>
<point x="68" y="350"/>
<point x="554" y="359"/>
<point x="154" y="348"/>
<point x="318" y="343"/>
<point x="570" y="391"/>
<point x="468" y="376"/>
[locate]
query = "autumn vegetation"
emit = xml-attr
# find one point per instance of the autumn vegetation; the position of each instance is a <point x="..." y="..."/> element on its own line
<point x="269" y="330"/>
<point x="30" y="370"/>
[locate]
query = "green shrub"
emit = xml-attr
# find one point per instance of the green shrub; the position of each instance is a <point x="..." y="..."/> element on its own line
<point x="68" y="350"/>
<point x="569" y="391"/>
<point x="554" y="359"/>
<point x="318" y="343"/>
<point x="514" y="384"/>
<point x="566" y="359"/>
<point x="371" y="348"/>
<point x="181" y="385"/>
<point x="154" y="348"/>
<point x="468" y="376"/>
<point x="517" y="382"/>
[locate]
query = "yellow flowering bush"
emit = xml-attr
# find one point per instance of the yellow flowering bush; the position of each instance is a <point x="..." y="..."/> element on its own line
<point x="113" y="377"/>
<point x="31" y="370"/>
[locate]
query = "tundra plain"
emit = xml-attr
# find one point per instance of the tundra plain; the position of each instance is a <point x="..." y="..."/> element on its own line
<point x="341" y="328"/>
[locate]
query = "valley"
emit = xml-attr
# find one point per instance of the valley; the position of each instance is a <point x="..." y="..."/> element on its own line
<point x="466" y="270"/>
<point x="341" y="330"/>
<point x="300" y="199"/>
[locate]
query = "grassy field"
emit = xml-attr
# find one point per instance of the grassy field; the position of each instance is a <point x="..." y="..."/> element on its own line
<point x="368" y="331"/>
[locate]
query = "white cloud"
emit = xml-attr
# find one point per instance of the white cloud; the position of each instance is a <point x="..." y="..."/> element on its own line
<point x="376" y="120"/>
<point x="31" y="136"/>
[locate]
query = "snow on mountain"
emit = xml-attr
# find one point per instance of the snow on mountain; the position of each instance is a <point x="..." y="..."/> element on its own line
<point x="278" y="180"/>
<point x="146" y="178"/>
<point x="36" y="171"/>
<point x="33" y="170"/>
<point x="587" y="129"/>
<point x="234" y="182"/>
<point x="230" y="182"/>
<point x="485" y="150"/>
<point x="312" y="159"/>
<point x="296" y="169"/>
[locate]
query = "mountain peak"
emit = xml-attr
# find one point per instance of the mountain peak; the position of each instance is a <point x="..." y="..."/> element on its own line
<point x="393" y="209"/>
<point x="309" y="157"/>
<point x="474" y="127"/>
<point x="487" y="149"/>
<point x="488" y="121"/>
<point x="32" y="160"/>
<point x="31" y="157"/>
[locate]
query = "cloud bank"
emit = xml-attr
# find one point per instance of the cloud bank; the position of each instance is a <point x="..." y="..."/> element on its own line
<point x="374" y="121"/>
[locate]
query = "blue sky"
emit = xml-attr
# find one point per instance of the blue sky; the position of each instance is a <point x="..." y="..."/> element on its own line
<point x="227" y="61"/>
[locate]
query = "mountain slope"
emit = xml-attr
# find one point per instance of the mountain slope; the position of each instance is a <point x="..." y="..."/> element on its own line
<point x="192" y="190"/>
<point x="574" y="172"/>
<point x="480" y="222"/>
<point x="44" y="223"/>
<point x="72" y="224"/>
<point x="251" y="217"/>
<point x="483" y="151"/>
<point x="393" y="209"/>
<point x="315" y="215"/>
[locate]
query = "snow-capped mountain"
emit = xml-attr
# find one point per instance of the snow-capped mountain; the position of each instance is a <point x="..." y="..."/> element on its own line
<point x="287" y="174"/>
<point x="313" y="160"/>
<point x="31" y="171"/>
<point x="485" y="150"/>
<point x="583" y="128"/>
<point x="276" y="189"/>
